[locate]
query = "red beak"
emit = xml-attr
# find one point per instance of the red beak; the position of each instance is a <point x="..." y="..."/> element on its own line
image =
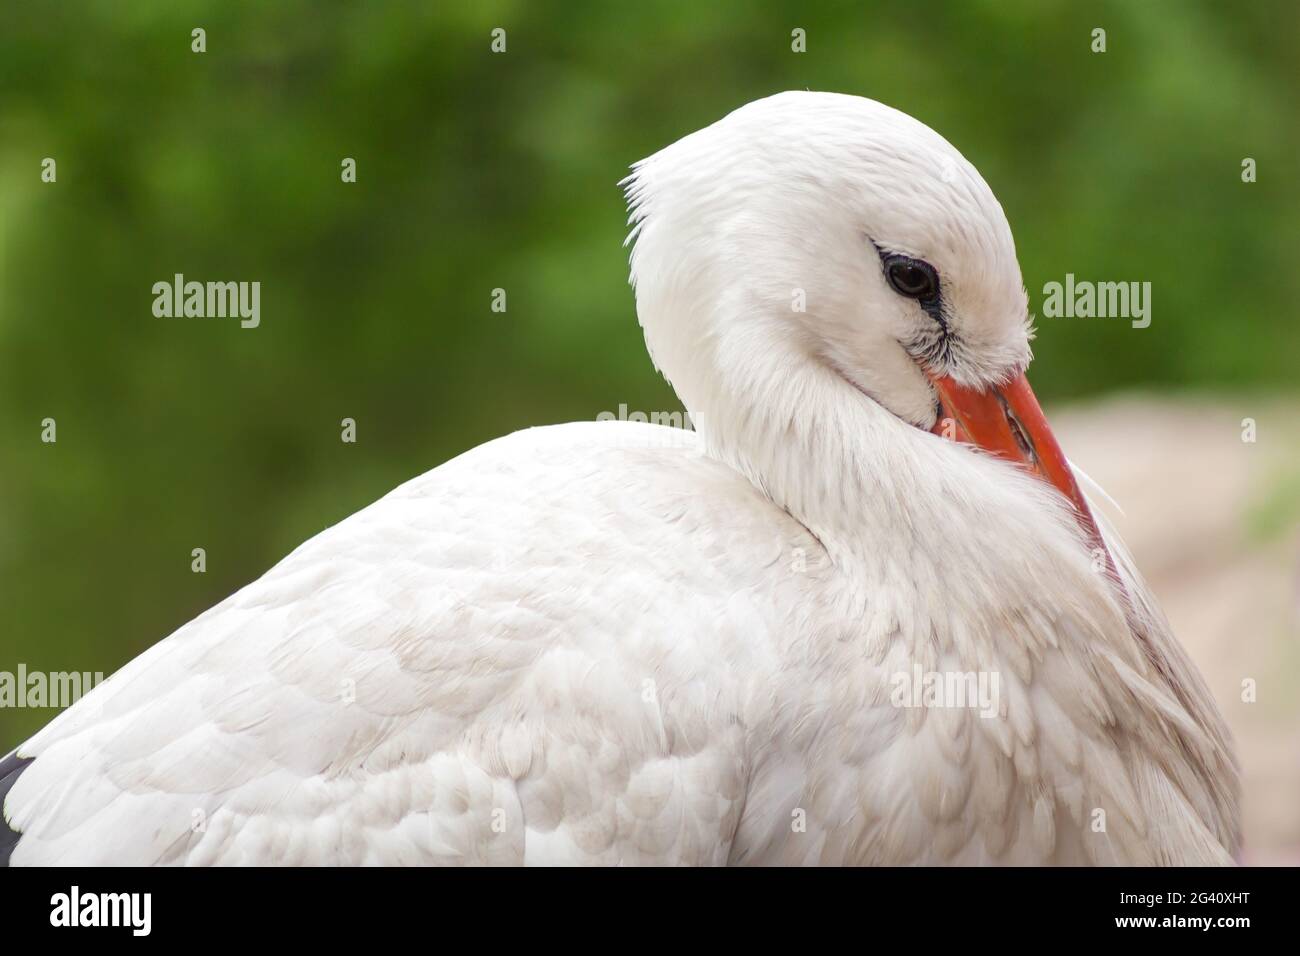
<point x="1007" y="421"/>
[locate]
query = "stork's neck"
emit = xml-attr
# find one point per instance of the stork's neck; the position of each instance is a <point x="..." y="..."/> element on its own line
<point x="883" y="497"/>
<point x="819" y="448"/>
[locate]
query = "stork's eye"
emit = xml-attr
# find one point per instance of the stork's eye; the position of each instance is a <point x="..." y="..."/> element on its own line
<point x="912" y="277"/>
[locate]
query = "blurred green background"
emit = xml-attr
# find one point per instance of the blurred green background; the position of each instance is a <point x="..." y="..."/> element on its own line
<point x="478" y="171"/>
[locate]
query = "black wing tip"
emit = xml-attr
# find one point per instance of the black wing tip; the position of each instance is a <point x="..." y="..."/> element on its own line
<point x="11" y="768"/>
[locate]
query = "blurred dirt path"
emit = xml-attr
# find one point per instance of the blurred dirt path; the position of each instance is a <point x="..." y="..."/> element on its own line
<point x="1214" y="522"/>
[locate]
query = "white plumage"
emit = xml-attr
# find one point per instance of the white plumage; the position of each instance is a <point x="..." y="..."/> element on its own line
<point x="620" y="643"/>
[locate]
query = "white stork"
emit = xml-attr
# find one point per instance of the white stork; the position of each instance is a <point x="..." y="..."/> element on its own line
<point x="616" y="643"/>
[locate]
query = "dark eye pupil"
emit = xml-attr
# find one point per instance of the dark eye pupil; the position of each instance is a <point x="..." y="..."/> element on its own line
<point x="911" y="279"/>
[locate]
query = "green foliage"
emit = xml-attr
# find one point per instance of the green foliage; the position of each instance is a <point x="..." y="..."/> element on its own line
<point x="479" y="170"/>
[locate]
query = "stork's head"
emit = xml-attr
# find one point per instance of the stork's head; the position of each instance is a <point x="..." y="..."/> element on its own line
<point x="832" y="239"/>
